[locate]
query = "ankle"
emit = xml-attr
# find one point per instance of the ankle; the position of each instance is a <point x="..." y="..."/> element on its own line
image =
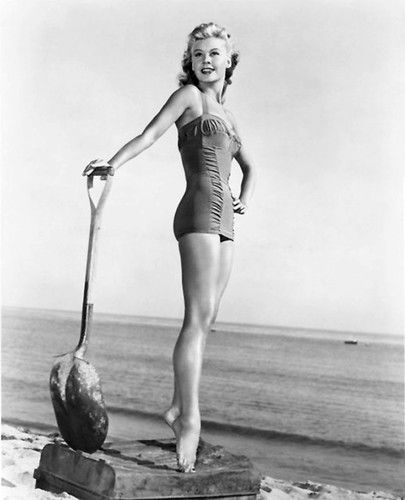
<point x="191" y="420"/>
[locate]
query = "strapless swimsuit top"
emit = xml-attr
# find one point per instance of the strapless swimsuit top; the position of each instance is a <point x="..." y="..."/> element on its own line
<point x="207" y="146"/>
<point x="207" y="124"/>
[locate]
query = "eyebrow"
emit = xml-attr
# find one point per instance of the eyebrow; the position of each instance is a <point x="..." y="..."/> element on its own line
<point x="201" y="50"/>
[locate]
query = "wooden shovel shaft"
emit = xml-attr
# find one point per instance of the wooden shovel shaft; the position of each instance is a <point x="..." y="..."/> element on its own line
<point x="96" y="207"/>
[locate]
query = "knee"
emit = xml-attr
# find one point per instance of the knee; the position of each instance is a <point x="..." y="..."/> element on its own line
<point x="207" y="315"/>
<point x="204" y="315"/>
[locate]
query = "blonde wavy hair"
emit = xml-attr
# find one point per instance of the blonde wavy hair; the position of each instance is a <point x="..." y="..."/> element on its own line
<point x="207" y="30"/>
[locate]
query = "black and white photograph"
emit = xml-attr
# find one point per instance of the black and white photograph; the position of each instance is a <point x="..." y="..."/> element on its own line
<point x="202" y="242"/>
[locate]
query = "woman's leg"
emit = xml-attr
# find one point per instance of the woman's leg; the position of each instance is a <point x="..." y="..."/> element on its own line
<point x="200" y="262"/>
<point x="226" y="260"/>
<point x="225" y="266"/>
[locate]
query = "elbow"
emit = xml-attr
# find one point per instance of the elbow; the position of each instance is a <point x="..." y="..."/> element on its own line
<point x="148" y="139"/>
<point x="250" y="176"/>
<point x="248" y="170"/>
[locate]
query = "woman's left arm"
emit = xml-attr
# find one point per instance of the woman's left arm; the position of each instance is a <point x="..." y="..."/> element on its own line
<point x="248" y="178"/>
<point x="248" y="173"/>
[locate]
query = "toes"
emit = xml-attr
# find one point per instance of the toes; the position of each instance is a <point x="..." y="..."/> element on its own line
<point x="181" y="463"/>
<point x="187" y="436"/>
<point x="190" y="469"/>
<point x="183" y="466"/>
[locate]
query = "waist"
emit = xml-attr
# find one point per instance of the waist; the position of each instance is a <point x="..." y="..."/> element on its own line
<point x="205" y="173"/>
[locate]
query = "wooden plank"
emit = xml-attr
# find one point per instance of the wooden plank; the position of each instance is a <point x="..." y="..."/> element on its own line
<point x="146" y="469"/>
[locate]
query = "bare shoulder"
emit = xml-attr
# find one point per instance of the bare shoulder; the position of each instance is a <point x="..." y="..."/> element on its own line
<point x="188" y="93"/>
<point x="181" y="103"/>
<point x="186" y="101"/>
<point x="190" y="102"/>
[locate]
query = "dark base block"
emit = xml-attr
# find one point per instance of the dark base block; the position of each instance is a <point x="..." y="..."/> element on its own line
<point x="145" y="470"/>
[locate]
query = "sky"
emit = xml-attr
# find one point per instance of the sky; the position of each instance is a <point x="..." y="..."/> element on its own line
<point x="318" y="97"/>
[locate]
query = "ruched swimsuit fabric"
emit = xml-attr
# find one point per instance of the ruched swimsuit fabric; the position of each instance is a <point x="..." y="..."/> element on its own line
<point x="207" y="145"/>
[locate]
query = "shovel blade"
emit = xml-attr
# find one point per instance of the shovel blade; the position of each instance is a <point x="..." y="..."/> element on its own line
<point x="78" y="403"/>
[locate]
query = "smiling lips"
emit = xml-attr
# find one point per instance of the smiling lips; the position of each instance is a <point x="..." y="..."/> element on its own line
<point x="207" y="70"/>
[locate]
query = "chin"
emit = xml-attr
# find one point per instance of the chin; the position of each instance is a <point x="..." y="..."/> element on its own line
<point x="208" y="78"/>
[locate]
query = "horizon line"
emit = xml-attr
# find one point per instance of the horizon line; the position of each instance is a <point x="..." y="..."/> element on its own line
<point x="227" y="323"/>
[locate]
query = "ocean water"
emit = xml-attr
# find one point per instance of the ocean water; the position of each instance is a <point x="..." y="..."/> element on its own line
<point x="302" y="404"/>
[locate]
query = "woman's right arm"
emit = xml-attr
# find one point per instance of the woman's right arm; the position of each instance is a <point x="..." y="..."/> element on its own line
<point x="175" y="106"/>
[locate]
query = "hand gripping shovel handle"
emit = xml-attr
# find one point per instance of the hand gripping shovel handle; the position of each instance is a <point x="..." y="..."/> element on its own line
<point x="97" y="203"/>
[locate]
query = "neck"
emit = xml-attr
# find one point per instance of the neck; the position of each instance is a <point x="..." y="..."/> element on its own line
<point x="213" y="90"/>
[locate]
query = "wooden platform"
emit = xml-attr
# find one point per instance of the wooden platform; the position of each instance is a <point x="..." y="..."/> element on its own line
<point x="145" y="469"/>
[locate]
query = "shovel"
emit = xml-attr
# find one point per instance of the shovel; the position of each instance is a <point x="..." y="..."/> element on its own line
<point x="75" y="386"/>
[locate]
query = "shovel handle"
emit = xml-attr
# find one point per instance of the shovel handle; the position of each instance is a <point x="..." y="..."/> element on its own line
<point x="105" y="174"/>
<point x="97" y="202"/>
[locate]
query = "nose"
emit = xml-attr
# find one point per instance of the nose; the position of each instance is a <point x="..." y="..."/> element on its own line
<point x="207" y="57"/>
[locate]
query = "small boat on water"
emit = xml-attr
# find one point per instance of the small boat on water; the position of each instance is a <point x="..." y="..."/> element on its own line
<point x="351" y="342"/>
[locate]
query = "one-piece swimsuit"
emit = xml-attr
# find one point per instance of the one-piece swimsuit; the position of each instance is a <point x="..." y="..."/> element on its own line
<point x="207" y="146"/>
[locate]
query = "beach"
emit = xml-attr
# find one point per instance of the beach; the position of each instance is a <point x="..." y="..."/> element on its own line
<point x="21" y="449"/>
<point x="300" y="404"/>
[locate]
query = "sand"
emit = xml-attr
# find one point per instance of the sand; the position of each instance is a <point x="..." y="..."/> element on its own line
<point x="21" y="452"/>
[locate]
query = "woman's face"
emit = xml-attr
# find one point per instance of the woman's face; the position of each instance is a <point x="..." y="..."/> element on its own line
<point x="209" y="59"/>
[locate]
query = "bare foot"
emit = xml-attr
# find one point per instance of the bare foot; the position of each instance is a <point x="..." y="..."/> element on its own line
<point x="187" y="433"/>
<point x="170" y="415"/>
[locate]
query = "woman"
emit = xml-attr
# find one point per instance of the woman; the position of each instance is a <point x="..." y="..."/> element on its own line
<point x="203" y="224"/>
